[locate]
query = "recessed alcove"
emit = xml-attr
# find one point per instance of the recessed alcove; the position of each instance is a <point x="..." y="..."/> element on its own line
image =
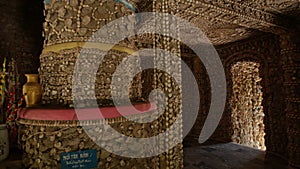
<point x="247" y="114"/>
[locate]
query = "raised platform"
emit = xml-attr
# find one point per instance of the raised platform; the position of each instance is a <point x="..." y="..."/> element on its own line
<point x="63" y="114"/>
<point x="46" y="133"/>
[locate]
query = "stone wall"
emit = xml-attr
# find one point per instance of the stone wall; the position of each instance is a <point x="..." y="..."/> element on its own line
<point x="43" y="142"/>
<point x="21" y="33"/>
<point x="20" y="37"/>
<point x="290" y="52"/>
<point x="204" y="88"/>
<point x="246" y="104"/>
<point x="264" y="50"/>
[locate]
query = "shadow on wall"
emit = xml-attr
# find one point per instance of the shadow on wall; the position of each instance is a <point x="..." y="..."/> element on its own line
<point x="21" y="33"/>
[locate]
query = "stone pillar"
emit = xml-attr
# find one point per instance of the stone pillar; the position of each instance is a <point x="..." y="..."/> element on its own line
<point x="68" y="30"/>
<point x="290" y="58"/>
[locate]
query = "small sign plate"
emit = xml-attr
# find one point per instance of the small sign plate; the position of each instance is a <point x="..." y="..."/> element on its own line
<point x="86" y="159"/>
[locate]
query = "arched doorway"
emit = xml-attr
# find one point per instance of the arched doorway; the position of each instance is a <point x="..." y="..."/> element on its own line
<point x="247" y="114"/>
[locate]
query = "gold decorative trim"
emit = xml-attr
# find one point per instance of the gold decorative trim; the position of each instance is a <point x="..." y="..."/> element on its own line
<point x="90" y="45"/>
<point x="75" y="123"/>
<point x="70" y="123"/>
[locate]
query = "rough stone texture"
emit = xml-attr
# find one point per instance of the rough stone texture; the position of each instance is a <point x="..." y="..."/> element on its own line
<point x="265" y="51"/>
<point x="246" y="103"/>
<point x="262" y="50"/>
<point x="212" y="156"/>
<point x="290" y="52"/>
<point x="57" y="71"/>
<point x="44" y="141"/>
<point x="204" y="88"/>
<point x="20" y="38"/>
<point x="59" y="28"/>
<point x="76" y="21"/>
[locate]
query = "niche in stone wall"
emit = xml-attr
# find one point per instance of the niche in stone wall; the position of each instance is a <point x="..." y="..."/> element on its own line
<point x="246" y="104"/>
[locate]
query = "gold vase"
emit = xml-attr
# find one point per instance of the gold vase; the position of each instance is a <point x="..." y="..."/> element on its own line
<point x="32" y="90"/>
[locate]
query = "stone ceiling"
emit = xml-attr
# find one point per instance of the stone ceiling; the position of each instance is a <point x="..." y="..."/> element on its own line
<point x="226" y="21"/>
<point x="273" y="6"/>
<point x="220" y="32"/>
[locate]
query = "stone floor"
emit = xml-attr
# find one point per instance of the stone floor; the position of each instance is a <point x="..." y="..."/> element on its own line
<point x="228" y="156"/>
<point x="212" y="156"/>
<point x="13" y="161"/>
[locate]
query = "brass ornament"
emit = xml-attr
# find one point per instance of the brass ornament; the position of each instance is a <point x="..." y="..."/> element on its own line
<point x="32" y="90"/>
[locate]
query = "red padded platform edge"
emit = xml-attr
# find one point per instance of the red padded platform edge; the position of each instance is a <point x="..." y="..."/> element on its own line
<point x="88" y="113"/>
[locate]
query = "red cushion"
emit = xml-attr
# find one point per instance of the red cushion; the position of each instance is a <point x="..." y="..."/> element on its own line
<point x="84" y="114"/>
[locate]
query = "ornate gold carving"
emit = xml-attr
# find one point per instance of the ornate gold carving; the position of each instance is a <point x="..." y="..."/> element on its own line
<point x="88" y="45"/>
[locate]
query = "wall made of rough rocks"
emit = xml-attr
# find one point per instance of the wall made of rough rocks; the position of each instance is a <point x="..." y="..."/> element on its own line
<point x="264" y="50"/>
<point x="69" y="24"/>
<point x="246" y="104"/>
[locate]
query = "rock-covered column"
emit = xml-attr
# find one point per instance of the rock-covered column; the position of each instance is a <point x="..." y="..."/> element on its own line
<point x="290" y="54"/>
<point x="68" y="26"/>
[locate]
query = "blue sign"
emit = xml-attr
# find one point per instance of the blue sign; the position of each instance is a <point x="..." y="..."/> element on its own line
<point x="86" y="159"/>
<point x="47" y="1"/>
